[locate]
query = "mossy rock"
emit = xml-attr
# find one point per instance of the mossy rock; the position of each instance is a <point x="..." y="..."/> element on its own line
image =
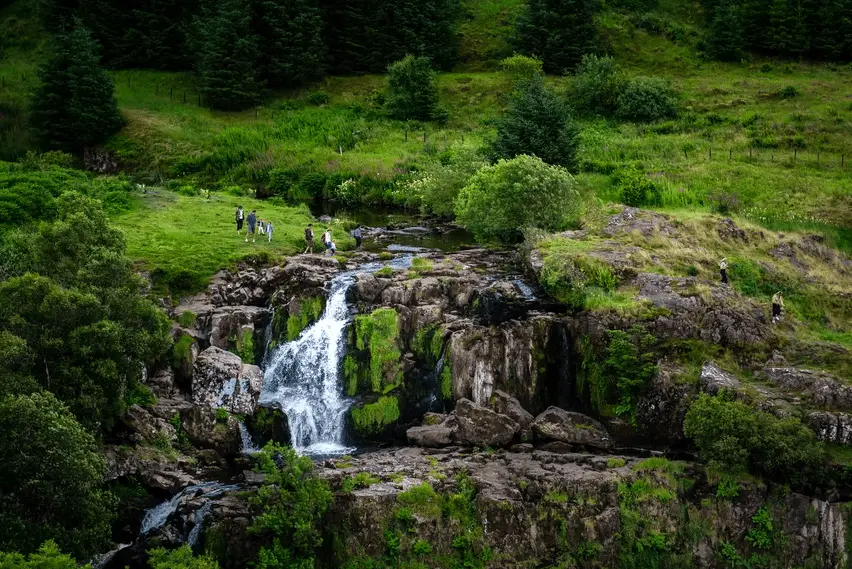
<point x="184" y="352"/>
<point x="269" y="424"/>
<point x="375" y="421"/>
<point x="288" y="323"/>
<point x="377" y="360"/>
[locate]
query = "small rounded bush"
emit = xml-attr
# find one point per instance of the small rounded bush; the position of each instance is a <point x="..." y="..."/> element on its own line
<point x="647" y="99"/>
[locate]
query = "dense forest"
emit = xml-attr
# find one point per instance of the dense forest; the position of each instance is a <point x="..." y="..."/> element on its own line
<point x="624" y="151"/>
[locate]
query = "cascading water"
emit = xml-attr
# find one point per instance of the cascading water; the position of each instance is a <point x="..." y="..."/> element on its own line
<point x="302" y="377"/>
<point x="157" y="516"/>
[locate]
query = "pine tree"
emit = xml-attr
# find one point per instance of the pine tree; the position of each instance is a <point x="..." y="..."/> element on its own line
<point x="227" y="55"/>
<point x="559" y="32"/>
<point x="538" y="124"/>
<point x="726" y="32"/>
<point x="75" y="104"/>
<point x="291" y="35"/>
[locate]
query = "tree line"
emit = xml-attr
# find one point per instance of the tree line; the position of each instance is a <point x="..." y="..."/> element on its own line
<point x="819" y="29"/>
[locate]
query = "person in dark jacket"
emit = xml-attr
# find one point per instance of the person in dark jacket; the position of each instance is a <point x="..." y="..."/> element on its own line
<point x="252" y="226"/>
<point x="723" y="270"/>
<point x="357" y="235"/>
<point x="239" y="216"/>
<point x="309" y="239"/>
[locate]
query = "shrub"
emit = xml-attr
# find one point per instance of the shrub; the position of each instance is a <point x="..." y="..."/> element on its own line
<point x="412" y="92"/>
<point x="724" y="203"/>
<point x="521" y="67"/>
<point x="735" y="438"/>
<point x="181" y="558"/>
<point x="501" y="200"/>
<point x="597" y="85"/>
<point x="788" y="92"/>
<point x="50" y="486"/>
<point x="436" y="187"/>
<point x="537" y="123"/>
<point x="318" y="98"/>
<point x="48" y="557"/>
<point x="280" y="182"/>
<point x="636" y="189"/>
<point x="646" y="99"/>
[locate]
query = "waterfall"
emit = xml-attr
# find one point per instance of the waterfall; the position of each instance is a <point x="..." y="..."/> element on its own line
<point x="248" y="445"/>
<point x="302" y="377"/>
<point x="198" y="518"/>
<point x="157" y="516"/>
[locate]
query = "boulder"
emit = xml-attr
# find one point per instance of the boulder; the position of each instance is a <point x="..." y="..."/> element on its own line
<point x="824" y="390"/>
<point x="229" y="324"/>
<point x="478" y="426"/>
<point x="148" y="426"/>
<point x="573" y="428"/>
<point x="505" y="404"/>
<point x="713" y="379"/>
<point x="831" y="427"/>
<point x="430" y="436"/>
<point x="660" y="413"/>
<point x="220" y="379"/>
<point x="162" y="383"/>
<point x="207" y="430"/>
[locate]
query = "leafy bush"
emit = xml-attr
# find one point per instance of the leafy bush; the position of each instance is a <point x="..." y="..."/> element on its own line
<point x="181" y="558"/>
<point x="636" y="189"/>
<point x="434" y="189"/>
<point x="294" y="500"/>
<point x="412" y="91"/>
<point x="646" y="99"/>
<point x="735" y="438"/>
<point x="537" y="123"/>
<point x="318" y="98"/>
<point x="724" y="203"/>
<point x="47" y="557"/>
<point x="788" y="92"/>
<point x="567" y="278"/>
<point x="50" y="483"/>
<point x="521" y="67"/>
<point x="598" y="84"/>
<point x="501" y="200"/>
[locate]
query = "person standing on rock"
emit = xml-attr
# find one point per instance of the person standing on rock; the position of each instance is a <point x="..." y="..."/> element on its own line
<point x="723" y="270"/>
<point x="309" y="239"/>
<point x="777" y="305"/>
<point x="332" y="249"/>
<point x="239" y="216"/>
<point x="269" y="229"/>
<point x="252" y="226"/>
<point x="357" y="235"/>
<point x="326" y="239"/>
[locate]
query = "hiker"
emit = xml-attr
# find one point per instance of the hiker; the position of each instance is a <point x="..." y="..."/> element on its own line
<point x="332" y="249"/>
<point x="357" y="235"/>
<point x="723" y="270"/>
<point x="777" y="305"/>
<point x="326" y="239"/>
<point x="260" y="225"/>
<point x="239" y="216"/>
<point x="269" y="231"/>
<point x="309" y="239"/>
<point x="252" y="225"/>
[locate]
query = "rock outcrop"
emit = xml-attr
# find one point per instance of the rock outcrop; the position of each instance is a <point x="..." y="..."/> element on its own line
<point x="556" y="424"/>
<point x="221" y="380"/>
<point x="482" y="427"/>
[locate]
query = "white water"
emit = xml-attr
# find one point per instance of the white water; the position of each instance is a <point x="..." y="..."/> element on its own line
<point x="198" y="519"/>
<point x="302" y="377"/>
<point x="157" y="516"/>
<point x="248" y="445"/>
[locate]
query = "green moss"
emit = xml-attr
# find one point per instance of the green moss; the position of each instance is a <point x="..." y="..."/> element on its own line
<point x="615" y="462"/>
<point x="360" y="480"/>
<point x="187" y="319"/>
<point x="350" y="372"/>
<point x="422" y="499"/>
<point x="246" y="346"/>
<point x="422" y="264"/>
<point x="222" y="415"/>
<point x="385" y="256"/>
<point x="182" y="353"/>
<point x="428" y="343"/>
<point x="372" y="418"/>
<point x="310" y="310"/>
<point x="447" y="381"/>
<point x="384" y="272"/>
<point x="379" y="333"/>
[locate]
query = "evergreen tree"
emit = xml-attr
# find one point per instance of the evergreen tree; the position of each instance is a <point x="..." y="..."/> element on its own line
<point x="412" y="92"/>
<point x="726" y="32"/>
<point x="75" y="104"/>
<point x="227" y="55"/>
<point x="558" y="32"/>
<point x="291" y="35"/>
<point x="538" y="124"/>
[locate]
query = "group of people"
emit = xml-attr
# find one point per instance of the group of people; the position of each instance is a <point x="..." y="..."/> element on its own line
<point x="255" y="225"/>
<point x="777" y="298"/>
<point x="328" y="242"/>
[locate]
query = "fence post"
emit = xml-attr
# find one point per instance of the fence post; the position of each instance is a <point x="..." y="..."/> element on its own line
<point x="710" y="150"/>
<point x="730" y="154"/>
<point x="795" y="154"/>
<point x="340" y="149"/>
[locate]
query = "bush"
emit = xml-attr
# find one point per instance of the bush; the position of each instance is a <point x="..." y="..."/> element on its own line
<point x="646" y="99"/>
<point x="502" y="200"/>
<point x="538" y="124"/>
<point x="597" y="85"/>
<point x="788" y="92"/>
<point x="636" y="189"/>
<point x="521" y="67"/>
<point x="48" y="557"/>
<point x="180" y="558"/>
<point x="724" y="203"/>
<point x="435" y="188"/>
<point x="412" y="92"/>
<point x="318" y="98"/>
<point x="50" y="483"/>
<point x="735" y="438"/>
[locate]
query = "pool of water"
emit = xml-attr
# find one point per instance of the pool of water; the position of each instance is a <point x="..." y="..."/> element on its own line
<point x="398" y="230"/>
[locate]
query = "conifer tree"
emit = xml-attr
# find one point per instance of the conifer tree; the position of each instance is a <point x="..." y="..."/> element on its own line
<point x="537" y="123"/>
<point x="412" y="92"/>
<point x="227" y="55"/>
<point x="726" y="32"/>
<point x="75" y="104"/>
<point x="559" y="32"/>
<point x="291" y="35"/>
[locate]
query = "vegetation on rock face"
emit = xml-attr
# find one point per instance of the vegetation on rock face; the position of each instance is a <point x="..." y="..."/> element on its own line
<point x="293" y="501"/>
<point x="180" y="558"/>
<point x="523" y="193"/>
<point x="48" y="556"/>
<point x="373" y="418"/>
<point x="378" y="334"/>
<point x="50" y="486"/>
<point x="310" y="309"/>
<point x="75" y="105"/>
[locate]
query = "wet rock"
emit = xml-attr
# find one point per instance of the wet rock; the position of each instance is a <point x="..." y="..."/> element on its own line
<point x="147" y="426"/>
<point x="660" y="413"/>
<point x="162" y="382"/>
<point x="220" y="379"/>
<point x="505" y="404"/>
<point x="368" y="288"/>
<point x="573" y="428"/>
<point x="832" y="427"/>
<point x="478" y="426"/>
<point x="229" y="325"/>
<point x="713" y="379"/>
<point x="207" y="430"/>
